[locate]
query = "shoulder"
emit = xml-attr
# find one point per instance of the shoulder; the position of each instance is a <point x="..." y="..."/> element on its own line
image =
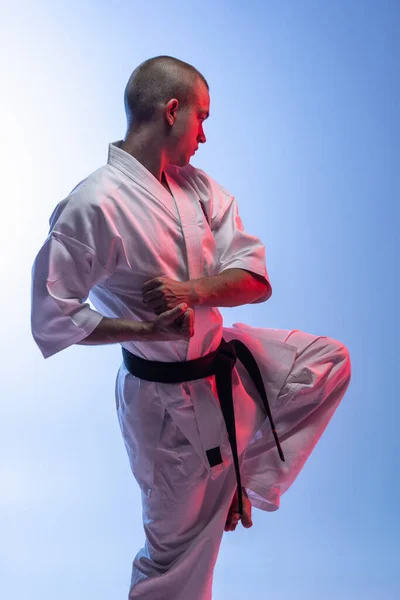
<point x="85" y="207"/>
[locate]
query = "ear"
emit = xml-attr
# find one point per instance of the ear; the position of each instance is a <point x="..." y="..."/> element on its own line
<point x="171" y="110"/>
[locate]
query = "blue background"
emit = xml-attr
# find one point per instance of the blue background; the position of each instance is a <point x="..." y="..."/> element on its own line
<point x="304" y="131"/>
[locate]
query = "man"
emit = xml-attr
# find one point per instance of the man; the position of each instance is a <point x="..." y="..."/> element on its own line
<point x="148" y="234"/>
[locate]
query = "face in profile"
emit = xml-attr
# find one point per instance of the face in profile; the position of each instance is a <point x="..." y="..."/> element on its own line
<point x="187" y="132"/>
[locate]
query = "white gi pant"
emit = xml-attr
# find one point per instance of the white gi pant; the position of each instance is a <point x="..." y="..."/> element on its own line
<point x="185" y="513"/>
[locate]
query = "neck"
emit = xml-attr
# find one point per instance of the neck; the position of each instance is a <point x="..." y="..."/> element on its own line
<point x="147" y="149"/>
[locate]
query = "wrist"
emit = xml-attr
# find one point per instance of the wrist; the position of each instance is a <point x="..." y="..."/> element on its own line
<point x="194" y="293"/>
<point x="144" y="330"/>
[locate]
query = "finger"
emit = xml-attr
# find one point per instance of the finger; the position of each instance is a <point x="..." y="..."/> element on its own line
<point x="189" y="321"/>
<point x="187" y="318"/>
<point x="178" y="315"/>
<point x="153" y="301"/>
<point x="178" y="310"/>
<point x="247" y="522"/>
<point x="152" y="283"/>
<point x="152" y="294"/>
<point x="246" y="518"/>
<point x="230" y="527"/>
<point x="232" y="518"/>
<point x="157" y="302"/>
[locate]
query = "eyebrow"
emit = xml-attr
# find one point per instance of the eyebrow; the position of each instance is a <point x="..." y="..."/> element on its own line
<point x="205" y="112"/>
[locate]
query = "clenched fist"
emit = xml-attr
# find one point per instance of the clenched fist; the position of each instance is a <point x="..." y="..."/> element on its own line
<point x="162" y="293"/>
<point x="174" y="324"/>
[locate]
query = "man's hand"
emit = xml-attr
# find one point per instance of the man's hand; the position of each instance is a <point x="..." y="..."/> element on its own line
<point x="233" y="517"/>
<point x="175" y="324"/>
<point x="162" y="294"/>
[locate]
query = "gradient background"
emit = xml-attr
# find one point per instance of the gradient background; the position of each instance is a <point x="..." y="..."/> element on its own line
<point x="304" y="131"/>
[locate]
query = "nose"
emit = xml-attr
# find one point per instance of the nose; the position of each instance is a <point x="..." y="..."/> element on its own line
<point x="201" y="138"/>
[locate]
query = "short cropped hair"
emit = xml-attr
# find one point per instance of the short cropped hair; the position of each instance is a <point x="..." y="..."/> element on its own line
<point x="156" y="81"/>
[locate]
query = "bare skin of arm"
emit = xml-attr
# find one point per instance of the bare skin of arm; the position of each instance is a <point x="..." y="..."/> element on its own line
<point x="232" y="287"/>
<point x="171" y="325"/>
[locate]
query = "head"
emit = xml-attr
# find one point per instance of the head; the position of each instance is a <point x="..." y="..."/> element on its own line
<point x="169" y="98"/>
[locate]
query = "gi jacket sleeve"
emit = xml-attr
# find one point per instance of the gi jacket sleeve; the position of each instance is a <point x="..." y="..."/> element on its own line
<point x="80" y="252"/>
<point x="236" y="248"/>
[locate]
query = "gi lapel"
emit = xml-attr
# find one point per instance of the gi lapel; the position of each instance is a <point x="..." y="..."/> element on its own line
<point x="133" y="169"/>
<point x="187" y="207"/>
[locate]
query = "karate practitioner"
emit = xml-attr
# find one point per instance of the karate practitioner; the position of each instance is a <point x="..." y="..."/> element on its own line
<point x="158" y="246"/>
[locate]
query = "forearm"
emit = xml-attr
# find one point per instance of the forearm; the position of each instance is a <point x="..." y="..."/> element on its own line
<point x="232" y="287"/>
<point x="112" y="331"/>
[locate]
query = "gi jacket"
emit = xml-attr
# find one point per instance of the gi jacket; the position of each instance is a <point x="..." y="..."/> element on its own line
<point x="120" y="228"/>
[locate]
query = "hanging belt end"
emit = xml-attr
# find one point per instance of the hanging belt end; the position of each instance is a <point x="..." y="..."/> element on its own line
<point x="278" y="445"/>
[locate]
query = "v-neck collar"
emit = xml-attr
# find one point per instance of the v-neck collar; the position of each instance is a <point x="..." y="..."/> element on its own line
<point x="185" y="216"/>
<point x="133" y="169"/>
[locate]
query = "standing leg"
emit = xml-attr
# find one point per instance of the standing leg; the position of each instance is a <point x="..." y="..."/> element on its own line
<point x="307" y="401"/>
<point x="184" y="518"/>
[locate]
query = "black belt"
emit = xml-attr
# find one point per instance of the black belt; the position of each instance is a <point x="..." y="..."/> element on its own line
<point x="219" y="363"/>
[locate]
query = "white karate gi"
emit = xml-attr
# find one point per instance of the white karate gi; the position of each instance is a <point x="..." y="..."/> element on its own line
<point x="116" y="230"/>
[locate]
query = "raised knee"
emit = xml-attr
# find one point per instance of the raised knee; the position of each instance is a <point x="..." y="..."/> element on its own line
<point x="341" y="356"/>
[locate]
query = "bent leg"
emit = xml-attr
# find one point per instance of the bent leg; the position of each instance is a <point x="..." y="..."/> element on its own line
<point x="307" y="401"/>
